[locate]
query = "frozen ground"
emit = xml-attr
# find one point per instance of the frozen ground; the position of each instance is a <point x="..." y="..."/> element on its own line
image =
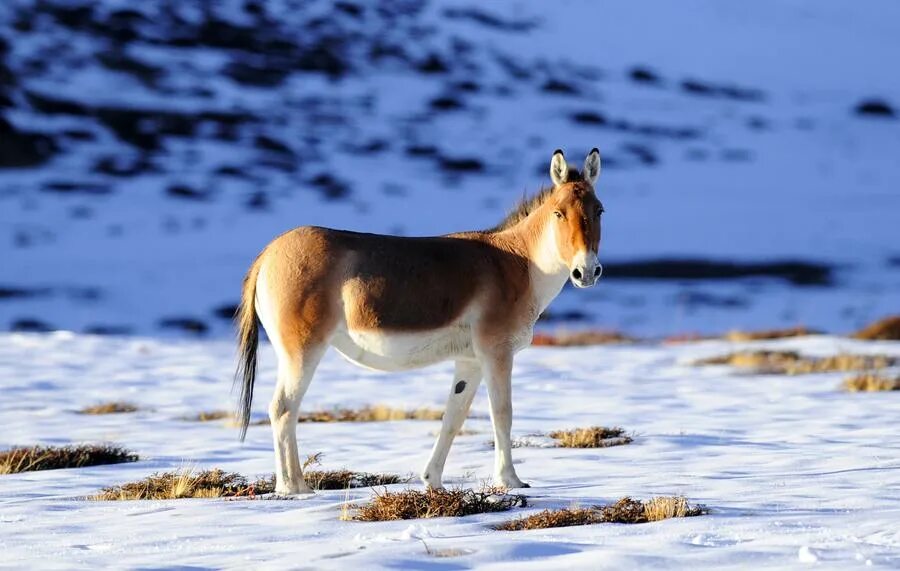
<point x="794" y="471"/>
<point x="185" y="139"/>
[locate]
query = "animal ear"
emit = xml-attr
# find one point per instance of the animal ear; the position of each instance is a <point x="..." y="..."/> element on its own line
<point x="591" y="169"/>
<point x="559" y="168"/>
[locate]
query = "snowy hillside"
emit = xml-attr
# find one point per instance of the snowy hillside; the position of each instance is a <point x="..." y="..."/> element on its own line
<point x="149" y="150"/>
<point x="793" y="470"/>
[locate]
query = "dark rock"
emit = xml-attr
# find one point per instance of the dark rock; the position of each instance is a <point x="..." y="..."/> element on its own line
<point x="143" y="128"/>
<point x="30" y="325"/>
<point x="76" y="187"/>
<point x="186" y="324"/>
<point x="466" y="85"/>
<point x="78" y="135"/>
<point x="349" y="8"/>
<point x="704" y="299"/>
<point x="559" y="316"/>
<point x="184" y="191"/>
<point x="227" y="311"/>
<point x="803" y="273"/>
<point x="331" y="187"/>
<point x="644" y="75"/>
<point x="589" y="118"/>
<point x="433" y="64"/>
<point x="259" y="200"/>
<point x="22" y="149"/>
<point x="271" y="144"/>
<point x="421" y="150"/>
<point x="705" y="89"/>
<point x="124" y="165"/>
<point x="230" y="170"/>
<point x="119" y="60"/>
<point x="370" y="147"/>
<point x="258" y="71"/>
<point x="446" y="103"/>
<point x="12" y="292"/>
<point x="108" y="330"/>
<point x="459" y="165"/>
<point x="489" y="20"/>
<point x="644" y="154"/>
<point x="559" y="86"/>
<point x="875" y="108"/>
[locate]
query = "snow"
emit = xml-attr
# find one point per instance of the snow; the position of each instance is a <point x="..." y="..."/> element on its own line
<point x="794" y="471"/>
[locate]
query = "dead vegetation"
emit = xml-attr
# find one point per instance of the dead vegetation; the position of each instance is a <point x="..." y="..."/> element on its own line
<point x="217" y="483"/>
<point x="591" y="437"/>
<point x="738" y="335"/>
<point x="765" y="334"/>
<point x="187" y="484"/>
<point x="871" y="382"/>
<point x="211" y="415"/>
<point x="34" y="458"/>
<point x="887" y="329"/>
<point x="374" y="413"/>
<point x="580" y="338"/>
<point x="115" y="407"/>
<point x="626" y="510"/>
<point x="792" y="363"/>
<point x="566" y="517"/>
<point x="414" y="504"/>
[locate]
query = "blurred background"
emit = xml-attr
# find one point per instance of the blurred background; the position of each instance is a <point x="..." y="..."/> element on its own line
<point x="149" y="150"/>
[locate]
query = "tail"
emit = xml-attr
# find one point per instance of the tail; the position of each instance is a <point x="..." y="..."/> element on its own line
<point x="248" y="342"/>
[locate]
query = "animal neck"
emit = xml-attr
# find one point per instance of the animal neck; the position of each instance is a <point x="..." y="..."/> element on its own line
<point x="548" y="274"/>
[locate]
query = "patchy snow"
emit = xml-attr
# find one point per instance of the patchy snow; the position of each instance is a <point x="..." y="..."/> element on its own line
<point x="794" y="470"/>
<point x="779" y="167"/>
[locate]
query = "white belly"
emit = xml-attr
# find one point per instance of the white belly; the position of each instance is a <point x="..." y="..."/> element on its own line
<point x="394" y="351"/>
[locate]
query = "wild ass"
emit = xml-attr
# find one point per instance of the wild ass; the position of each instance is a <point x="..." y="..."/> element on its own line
<point x="391" y="303"/>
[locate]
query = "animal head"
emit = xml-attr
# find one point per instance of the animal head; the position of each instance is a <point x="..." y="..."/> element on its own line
<point x="575" y="211"/>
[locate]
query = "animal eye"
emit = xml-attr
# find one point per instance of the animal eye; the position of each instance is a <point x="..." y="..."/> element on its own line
<point x="558" y="214"/>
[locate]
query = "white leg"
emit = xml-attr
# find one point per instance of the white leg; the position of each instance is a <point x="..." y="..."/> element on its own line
<point x="466" y="379"/>
<point x="498" y="372"/>
<point x="294" y="376"/>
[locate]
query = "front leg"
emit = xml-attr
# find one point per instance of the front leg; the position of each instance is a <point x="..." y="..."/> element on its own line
<point x="466" y="379"/>
<point x="498" y="378"/>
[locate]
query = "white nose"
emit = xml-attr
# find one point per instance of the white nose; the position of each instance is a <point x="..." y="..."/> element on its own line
<point x="586" y="271"/>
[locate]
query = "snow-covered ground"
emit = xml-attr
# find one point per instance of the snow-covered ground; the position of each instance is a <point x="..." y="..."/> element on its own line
<point x="728" y="132"/>
<point x="793" y="470"/>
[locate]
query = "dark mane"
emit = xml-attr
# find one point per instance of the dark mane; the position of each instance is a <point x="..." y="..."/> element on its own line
<point x="529" y="204"/>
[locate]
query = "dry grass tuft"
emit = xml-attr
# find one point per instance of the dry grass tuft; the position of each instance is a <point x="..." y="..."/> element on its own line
<point x="211" y="415"/>
<point x="592" y="437"/>
<point x="740" y="336"/>
<point x="871" y="382"/>
<point x="34" y="458"/>
<point x="626" y="510"/>
<point x="764" y="334"/>
<point x="375" y="413"/>
<point x="580" y="338"/>
<point x="792" y="363"/>
<point x="187" y="484"/>
<point x="882" y="330"/>
<point x="665" y="507"/>
<point x="552" y="518"/>
<point x="109" y="408"/>
<point x="219" y="484"/>
<point x="343" y="479"/>
<point x="413" y="504"/>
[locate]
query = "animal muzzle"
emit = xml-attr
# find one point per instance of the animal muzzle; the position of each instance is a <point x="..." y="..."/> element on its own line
<point x="586" y="270"/>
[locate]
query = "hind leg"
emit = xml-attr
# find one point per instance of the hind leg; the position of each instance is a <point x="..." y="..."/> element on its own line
<point x="294" y="375"/>
<point x="466" y="379"/>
